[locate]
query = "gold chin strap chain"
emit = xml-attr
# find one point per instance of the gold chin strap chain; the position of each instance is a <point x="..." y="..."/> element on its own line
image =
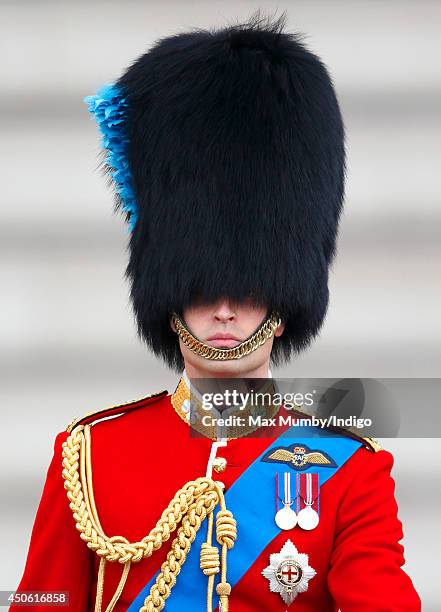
<point x="194" y="502"/>
<point x="264" y="332"/>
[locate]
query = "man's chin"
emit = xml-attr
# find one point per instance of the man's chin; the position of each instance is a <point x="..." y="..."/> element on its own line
<point x="230" y="368"/>
<point x="227" y="367"/>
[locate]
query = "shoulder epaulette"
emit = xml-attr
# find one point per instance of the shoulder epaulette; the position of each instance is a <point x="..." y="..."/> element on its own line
<point x="373" y="444"/>
<point x="118" y="409"/>
<point x="369" y="443"/>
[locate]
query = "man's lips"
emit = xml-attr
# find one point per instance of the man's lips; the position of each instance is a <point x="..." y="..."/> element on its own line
<point x="226" y="340"/>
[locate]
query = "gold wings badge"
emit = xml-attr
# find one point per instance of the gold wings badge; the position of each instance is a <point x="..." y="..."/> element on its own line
<point x="299" y="457"/>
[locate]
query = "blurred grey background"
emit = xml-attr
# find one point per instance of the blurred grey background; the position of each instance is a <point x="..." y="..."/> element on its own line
<point x="68" y="343"/>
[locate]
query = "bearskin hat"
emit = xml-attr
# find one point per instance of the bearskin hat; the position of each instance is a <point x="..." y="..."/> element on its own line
<point x="226" y="151"/>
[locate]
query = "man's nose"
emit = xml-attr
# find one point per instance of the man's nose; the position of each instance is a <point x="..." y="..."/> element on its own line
<point x="224" y="311"/>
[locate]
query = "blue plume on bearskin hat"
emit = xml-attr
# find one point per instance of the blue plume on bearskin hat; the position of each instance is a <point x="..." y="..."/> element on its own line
<point x="231" y="174"/>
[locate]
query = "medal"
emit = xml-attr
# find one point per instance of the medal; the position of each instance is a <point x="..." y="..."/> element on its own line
<point x="285" y="518"/>
<point x="288" y="572"/>
<point x="308" y="518"/>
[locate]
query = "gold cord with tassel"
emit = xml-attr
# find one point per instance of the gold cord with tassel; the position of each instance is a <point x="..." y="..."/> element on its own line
<point x="190" y="506"/>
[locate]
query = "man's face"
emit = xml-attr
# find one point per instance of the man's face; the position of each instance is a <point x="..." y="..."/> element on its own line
<point x="225" y="324"/>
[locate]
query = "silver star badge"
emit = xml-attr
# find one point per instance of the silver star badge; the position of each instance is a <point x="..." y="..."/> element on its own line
<point x="289" y="572"/>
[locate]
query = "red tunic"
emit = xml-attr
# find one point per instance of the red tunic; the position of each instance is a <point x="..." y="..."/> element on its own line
<point x="141" y="458"/>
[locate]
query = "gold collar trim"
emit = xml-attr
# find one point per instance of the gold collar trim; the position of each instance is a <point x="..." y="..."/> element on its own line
<point x="187" y="405"/>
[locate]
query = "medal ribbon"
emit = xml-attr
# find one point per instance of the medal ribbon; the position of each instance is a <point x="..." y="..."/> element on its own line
<point x="287" y="500"/>
<point x="287" y="481"/>
<point x="308" y="488"/>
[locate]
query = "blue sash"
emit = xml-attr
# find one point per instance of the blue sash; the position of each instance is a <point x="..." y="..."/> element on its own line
<point x="251" y="500"/>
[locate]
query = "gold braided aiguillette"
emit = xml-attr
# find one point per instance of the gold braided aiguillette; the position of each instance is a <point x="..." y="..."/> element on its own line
<point x="190" y="506"/>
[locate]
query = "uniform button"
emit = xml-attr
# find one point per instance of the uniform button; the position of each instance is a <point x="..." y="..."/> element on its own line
<point x="219" y="464"/>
